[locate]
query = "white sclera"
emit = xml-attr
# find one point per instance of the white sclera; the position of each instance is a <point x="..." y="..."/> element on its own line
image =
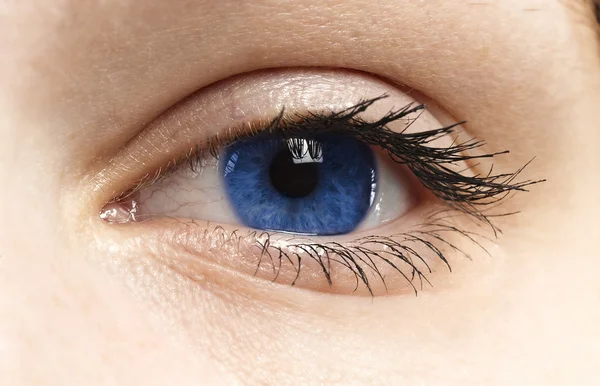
<point x="393" y="196"/>
<point x="197" y="194"/>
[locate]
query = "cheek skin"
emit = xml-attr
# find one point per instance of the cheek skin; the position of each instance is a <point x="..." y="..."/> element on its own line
<point x="474" y="320"/>
<point x="65" y="322"/>
<point x="238" y="324"/>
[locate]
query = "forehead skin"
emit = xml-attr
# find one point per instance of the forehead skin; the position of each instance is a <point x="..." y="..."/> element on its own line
<point x="80" y="78"/>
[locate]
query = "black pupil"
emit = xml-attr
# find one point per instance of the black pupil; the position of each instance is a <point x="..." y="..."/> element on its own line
<point x="294" y="180"/>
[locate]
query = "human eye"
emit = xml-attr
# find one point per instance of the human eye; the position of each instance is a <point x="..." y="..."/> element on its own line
<point x="297" y="178"/>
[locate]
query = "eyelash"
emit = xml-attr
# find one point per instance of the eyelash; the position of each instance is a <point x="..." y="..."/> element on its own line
<point x="356" y="252"/>
<point x="466" y="194"/>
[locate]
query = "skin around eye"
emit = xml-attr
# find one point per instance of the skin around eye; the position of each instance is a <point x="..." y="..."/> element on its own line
<point x="190" y="214"/>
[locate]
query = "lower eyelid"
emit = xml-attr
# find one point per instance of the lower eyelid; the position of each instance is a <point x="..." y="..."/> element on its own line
<point x="190" y="246"/>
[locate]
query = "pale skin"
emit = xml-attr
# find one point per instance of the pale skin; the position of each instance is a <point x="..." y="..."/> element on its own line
<point x="80" y="304"/>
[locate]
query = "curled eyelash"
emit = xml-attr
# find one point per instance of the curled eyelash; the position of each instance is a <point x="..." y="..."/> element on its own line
<point x="431" y="165"/>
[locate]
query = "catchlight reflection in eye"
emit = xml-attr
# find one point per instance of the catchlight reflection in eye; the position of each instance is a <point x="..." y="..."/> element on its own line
<point x="323" y="185"/>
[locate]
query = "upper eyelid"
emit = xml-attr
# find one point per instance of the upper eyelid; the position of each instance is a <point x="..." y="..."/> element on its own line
<point x="189" y="123"/>
<point x="213" y="145"/>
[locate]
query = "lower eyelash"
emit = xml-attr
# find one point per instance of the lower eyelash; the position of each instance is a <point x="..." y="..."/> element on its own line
<point x="363" y="257"/>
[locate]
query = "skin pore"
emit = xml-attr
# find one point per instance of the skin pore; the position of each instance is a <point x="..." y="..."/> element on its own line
<point x="84" y="303"/>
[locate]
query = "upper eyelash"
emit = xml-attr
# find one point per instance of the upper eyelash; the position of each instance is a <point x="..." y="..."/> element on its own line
<point x="429" y="164"/>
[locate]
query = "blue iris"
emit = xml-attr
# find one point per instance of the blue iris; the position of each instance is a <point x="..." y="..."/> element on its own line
<point x="320" y="185"/>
